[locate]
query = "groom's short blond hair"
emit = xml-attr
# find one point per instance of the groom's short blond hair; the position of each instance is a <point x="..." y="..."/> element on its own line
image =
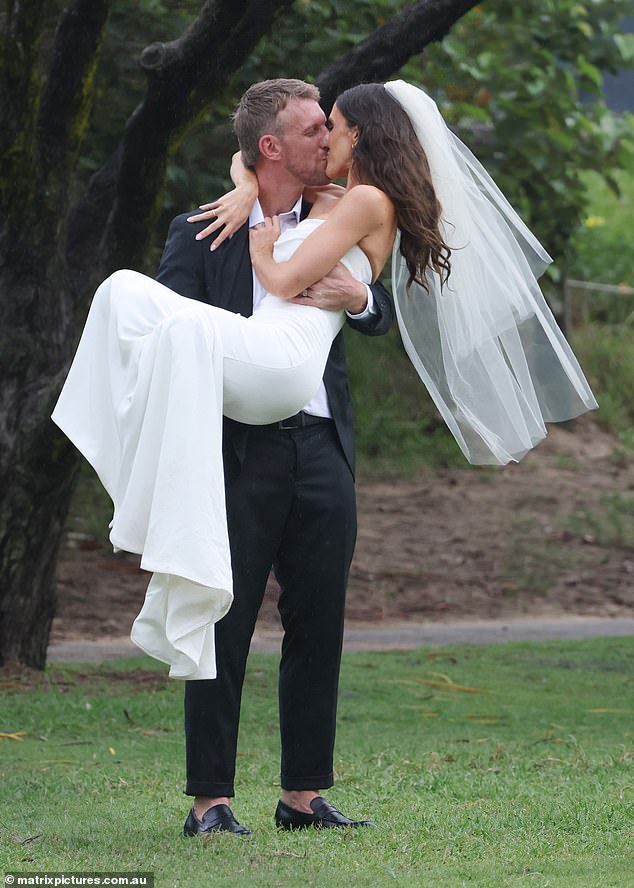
<point x="256" y="114"/>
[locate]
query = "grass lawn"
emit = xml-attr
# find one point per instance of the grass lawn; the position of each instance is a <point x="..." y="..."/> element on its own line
<point x="509" y="765"/>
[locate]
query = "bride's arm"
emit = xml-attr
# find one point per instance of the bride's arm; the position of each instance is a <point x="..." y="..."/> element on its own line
<point x="233" y="208"/>
<point x="361" y="211"/>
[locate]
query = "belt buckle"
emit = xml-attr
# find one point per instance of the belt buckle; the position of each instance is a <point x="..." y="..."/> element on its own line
<point x="291" y="422"/>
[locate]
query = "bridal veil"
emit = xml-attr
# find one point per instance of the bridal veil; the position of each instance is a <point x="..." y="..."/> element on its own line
<point x="485" y="343"/>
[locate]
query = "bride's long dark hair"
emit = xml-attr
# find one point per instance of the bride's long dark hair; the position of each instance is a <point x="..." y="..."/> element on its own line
<point x="389" y="156"/>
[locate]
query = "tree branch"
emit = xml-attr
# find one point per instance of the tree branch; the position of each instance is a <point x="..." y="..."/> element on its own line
<point x="388" y="48"/>
<point x="182" y="76"/>
<point x="67" y="99"/>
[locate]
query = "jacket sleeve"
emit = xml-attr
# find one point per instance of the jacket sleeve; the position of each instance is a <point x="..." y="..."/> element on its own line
<point x="383" y="316"/>
<point x="181" y="267"/>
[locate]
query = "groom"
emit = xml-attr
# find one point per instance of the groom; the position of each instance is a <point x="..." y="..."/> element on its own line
<point x="289" y="489"/>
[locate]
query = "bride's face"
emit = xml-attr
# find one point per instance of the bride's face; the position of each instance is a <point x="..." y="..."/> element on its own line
<point x="342" y="141"/>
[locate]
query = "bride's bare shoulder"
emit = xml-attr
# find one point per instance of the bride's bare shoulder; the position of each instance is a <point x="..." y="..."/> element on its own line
<point x="369" y="199"/>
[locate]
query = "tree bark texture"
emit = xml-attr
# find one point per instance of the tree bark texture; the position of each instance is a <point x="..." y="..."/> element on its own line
<point x="52" y="253"/>
<point x="388" y="48"/>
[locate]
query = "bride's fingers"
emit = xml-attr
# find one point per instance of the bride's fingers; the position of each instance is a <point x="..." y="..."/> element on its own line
<point x="224" y="206"/>
<point x="210" y="213"/>
<point x="221" y="220"/>
<point x="214" y="226"/>
<point x="227" y="232"/>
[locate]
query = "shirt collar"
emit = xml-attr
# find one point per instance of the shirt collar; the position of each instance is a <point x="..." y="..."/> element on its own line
<point x="257" y="215"/>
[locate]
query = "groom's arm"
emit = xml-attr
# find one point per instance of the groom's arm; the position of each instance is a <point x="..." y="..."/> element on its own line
<point x="378" y="315"/>
<point x="369" y="310"/>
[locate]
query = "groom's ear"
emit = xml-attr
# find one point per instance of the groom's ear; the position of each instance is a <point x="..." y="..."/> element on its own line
<point x="270" y="147"/>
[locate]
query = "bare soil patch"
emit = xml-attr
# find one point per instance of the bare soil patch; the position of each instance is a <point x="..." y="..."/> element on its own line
<point x="553" y="535"/>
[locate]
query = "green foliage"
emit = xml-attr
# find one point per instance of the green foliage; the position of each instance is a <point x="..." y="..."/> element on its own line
<point x="398" y="428"/>
<point x="603" y="249"/>
<point x="522" y="85"/>
<point x="508" y="765"/>
<point x="604" y="341"/>
<point x="607" y="355"/>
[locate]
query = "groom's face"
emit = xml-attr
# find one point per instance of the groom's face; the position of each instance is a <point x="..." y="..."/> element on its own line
<point x="303" y="137"/>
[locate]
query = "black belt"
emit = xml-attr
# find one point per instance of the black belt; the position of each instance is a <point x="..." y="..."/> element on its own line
<point x="299" y="421"/>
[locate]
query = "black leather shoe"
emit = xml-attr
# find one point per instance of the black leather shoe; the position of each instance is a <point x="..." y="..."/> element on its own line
<point x="324" y="816"/>
<point x="219" y="818"/>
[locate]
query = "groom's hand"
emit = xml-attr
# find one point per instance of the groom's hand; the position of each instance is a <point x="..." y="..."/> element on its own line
<point x="336" y="291"/>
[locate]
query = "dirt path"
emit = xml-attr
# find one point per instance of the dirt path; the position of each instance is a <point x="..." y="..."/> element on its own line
<point x="551" y="536"/>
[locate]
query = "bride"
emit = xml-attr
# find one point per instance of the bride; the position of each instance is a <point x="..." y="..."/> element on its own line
<point x="154" y="372"/>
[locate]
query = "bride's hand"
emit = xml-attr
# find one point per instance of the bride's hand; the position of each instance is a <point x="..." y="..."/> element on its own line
<point x="262" y="237"/>
<point x="231" y="211"/>
<point x="233" y="208"/>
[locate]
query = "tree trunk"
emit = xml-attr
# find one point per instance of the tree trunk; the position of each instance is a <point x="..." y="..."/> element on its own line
<point x="30" y="536"/>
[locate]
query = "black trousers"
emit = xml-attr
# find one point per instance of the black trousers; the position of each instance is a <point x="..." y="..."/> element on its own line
<point x="291" y="506"/>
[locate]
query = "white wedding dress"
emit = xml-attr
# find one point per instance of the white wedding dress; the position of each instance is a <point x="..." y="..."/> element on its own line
<point x="144" y="399"/>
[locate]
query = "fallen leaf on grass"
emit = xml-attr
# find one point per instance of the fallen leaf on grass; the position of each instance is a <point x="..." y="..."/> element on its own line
<point x="439" y="655"/>
<point x="619" y="711"/>
<point x="467" y="805"/>
<point x="287" y="854"/>
<point x="449" y="686"/>
<point x="424" y="713"/>
<point x="25" y="840"/>
<point x="17" y="735"/>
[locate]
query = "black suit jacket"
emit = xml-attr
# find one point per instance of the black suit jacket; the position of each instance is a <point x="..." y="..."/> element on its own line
<point x="224" y="278"/>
